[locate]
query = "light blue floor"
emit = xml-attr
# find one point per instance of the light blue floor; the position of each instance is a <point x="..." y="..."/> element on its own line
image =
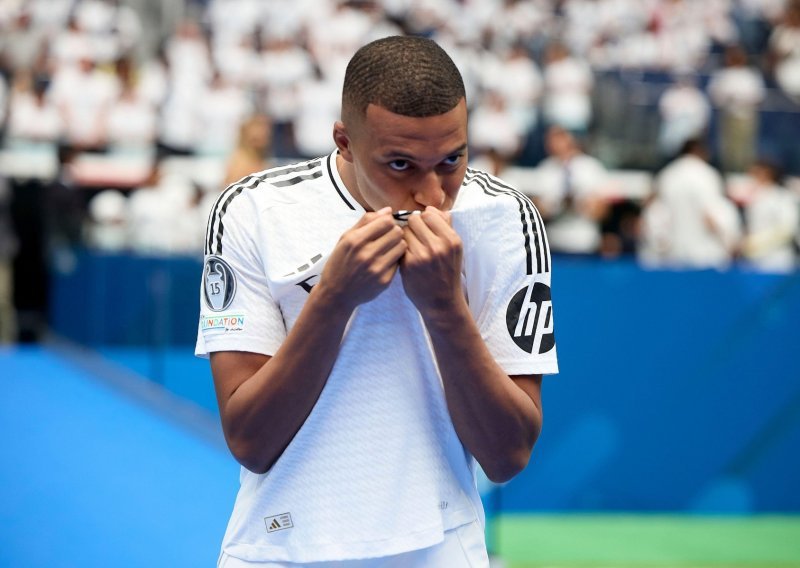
<point x="91" y="476"/>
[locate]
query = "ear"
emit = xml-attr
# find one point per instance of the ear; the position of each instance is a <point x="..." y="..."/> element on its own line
<point x="342" y="140"/>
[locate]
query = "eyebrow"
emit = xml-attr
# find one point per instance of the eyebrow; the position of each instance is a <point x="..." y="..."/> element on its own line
<point x="402" y="156"/>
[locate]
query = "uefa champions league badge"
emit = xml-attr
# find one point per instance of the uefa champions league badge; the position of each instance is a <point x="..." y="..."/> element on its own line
<point x="219" y="283"/>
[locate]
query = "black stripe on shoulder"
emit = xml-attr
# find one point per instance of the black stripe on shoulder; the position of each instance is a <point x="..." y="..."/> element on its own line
<point x="221" y="205"/>
<point x="216" y="227"/>
<point x="292" y="169"/>
<point x="532" y="225"/>
<point x="297" y="179"/>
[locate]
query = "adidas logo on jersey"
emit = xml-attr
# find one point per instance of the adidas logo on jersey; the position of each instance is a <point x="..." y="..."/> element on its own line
<point x="278" y="522"/>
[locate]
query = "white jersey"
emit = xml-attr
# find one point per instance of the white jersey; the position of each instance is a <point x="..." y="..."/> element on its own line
<point x="377" y="467"/>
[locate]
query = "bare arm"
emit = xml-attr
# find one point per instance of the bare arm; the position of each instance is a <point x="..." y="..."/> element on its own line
<point x="497" y="417"/>
<point x="264" y="400"/>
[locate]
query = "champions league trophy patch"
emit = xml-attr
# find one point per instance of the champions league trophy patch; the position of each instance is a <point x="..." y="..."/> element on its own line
<point x="219" y="283"/>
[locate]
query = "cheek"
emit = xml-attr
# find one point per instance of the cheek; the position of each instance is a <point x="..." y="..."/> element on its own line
<point x="453" y="184"/>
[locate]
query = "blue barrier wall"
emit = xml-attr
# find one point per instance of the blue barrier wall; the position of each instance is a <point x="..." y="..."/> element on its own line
<point x="678" y="391"/>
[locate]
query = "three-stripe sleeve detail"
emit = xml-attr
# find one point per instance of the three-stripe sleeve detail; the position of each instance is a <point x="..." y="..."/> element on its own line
<point x="216" y="227"/>
<point x="532" y="224"/>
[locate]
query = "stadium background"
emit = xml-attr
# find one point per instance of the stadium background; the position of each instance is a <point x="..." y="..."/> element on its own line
<point x="671" y="434"/>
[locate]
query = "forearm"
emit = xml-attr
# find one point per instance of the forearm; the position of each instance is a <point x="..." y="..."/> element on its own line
<point x="265" y="412"/>
<point x="496" y="420"/>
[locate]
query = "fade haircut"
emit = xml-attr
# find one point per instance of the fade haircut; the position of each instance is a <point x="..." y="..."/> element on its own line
<point x="406" y="75"/>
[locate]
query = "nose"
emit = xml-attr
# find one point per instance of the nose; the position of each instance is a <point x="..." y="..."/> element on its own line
<point x="429" y="190"/>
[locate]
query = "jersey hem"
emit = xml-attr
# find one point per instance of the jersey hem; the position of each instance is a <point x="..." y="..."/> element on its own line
<point x="526" y="368"/>
<point x="253" y="345"/>
<point x="330" y="552"/>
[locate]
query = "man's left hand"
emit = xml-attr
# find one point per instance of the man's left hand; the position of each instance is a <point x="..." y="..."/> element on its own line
<point x="431" y="266"/>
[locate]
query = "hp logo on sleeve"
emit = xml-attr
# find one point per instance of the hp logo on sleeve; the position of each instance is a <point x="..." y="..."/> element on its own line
<point x="529" y="319"/>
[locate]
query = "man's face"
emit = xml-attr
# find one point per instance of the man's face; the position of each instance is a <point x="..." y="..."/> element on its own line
<point x="404" y="162"/>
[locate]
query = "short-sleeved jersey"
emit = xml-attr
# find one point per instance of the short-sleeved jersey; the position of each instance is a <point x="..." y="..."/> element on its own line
<point x="377" y="468"/>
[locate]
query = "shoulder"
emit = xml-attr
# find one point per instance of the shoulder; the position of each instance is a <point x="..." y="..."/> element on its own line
<point x="273" y="183"/>
<point x="242" y="203"/>
<point x="486" y="192"/>
<point x="493" y="216"/>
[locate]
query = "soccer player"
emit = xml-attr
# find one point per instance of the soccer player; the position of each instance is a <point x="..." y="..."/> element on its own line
<point x="364" y="362"/>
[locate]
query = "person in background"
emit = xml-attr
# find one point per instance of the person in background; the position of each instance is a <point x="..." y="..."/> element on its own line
<point x="568" y="85"/>
<point x="685" y="112"/>
<point x="772" y="216"/>
<point x="570" y="194"/>
<point x="252" y="149"/>
<point x="689" y="223"/>
<point x="737" y="89"/>
<point x="32" y="116"/>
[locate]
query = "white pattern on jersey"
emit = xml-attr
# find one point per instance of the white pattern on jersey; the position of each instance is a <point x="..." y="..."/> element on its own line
<point x="377" y="467"/>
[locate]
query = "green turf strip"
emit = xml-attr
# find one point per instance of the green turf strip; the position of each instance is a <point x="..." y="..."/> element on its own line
<point x="644" y="541"/>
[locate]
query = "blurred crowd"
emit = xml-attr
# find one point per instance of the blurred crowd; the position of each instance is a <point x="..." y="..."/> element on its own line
<point x="250" y="83"/>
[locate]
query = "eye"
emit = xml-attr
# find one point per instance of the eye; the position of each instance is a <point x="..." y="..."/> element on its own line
<point x="399" y="165"/>
<point x="452" y="160"/>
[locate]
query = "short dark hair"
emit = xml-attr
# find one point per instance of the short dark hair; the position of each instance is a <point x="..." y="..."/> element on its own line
<point x="407" y="75"/>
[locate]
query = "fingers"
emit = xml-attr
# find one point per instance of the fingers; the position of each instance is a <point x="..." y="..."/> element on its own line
<point x="431" y="229"/>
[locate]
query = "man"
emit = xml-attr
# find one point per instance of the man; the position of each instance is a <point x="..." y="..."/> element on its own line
<point x="689" y="222"/>
<point x="571" y="194"/>
<point x="359" y="364"/>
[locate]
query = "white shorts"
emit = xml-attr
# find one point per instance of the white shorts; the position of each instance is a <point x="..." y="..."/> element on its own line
<point x="463" y="547"/>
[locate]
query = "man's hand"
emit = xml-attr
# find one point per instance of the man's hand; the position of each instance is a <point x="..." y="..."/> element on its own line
<point x="431" y="266"/>
<point x="364" y="260"/>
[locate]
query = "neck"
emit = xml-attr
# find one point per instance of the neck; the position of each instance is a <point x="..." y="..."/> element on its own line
<point x="348" y="176"/>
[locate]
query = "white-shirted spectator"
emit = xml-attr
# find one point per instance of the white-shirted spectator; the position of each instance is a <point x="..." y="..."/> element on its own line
<point x="522" y="93"/>
<point x="784" y="44"/>
<point x="21" y="41"/>
<point x="161" y="217"/>
<point x="495" y="133"/>
<point x="772" y="217"/>
<point x="177" y="126"/>
<point x="237" y="60"/>
<point x="50" y="15"/>
<point x="520" y="21"/>
<point x="233" y="20"/>
<point x="288" y="18"/>
<point x="319" y="105"/>
<point x="737" y="89"/>
<point x="84" y="95"/>
<point x="282" y="65"/>
<point x="221" y="108"/>
<point x="154" y="79"/>
<point x="568" y="83"/>
<point x="132" y="121"/>
<point x="570" y="193"/>
<point x="690" y="223"/>
<point x="685" y="113"/>
<point x="338" y="35"/>
<point x="188" y="57"/>
<point x="107" y="223"/>
<point x="71" y="45"/>
<point x="32" y="116"/>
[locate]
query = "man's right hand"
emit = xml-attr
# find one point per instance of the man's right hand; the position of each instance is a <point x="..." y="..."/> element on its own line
<point x="364" y="260"/>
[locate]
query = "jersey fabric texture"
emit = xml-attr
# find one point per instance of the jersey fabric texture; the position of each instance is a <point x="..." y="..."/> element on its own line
<point x="462" y="547"/>
<point x="377" y="468"/>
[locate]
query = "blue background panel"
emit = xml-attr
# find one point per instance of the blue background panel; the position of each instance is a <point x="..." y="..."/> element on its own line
<point x="678" y="391"/>
<point x="90" y="477"/>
